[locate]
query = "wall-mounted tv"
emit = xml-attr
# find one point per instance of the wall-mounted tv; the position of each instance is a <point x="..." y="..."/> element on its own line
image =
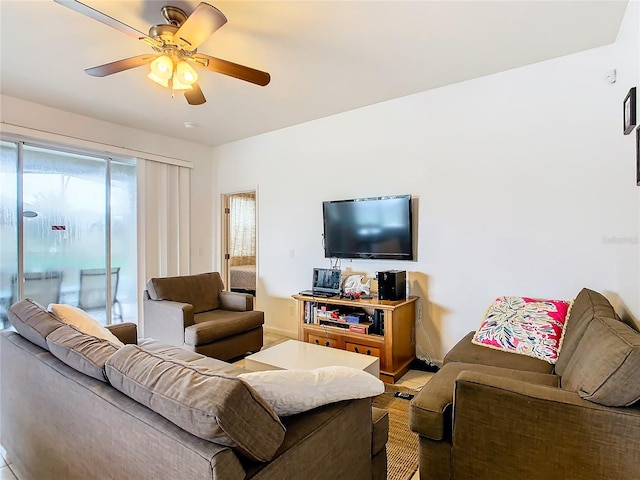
<point x="374" y="228"/>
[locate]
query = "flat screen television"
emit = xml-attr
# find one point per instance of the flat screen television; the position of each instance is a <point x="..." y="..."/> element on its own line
<point x="370" y="228"/>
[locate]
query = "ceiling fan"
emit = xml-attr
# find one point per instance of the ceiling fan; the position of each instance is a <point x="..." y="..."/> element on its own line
<point x="175" y="44"/>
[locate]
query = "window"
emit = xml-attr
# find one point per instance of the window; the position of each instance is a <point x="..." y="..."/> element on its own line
<point x="68" y="230"/>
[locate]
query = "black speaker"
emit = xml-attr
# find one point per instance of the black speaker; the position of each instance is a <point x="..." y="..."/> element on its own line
<point x="392" y="285"/>
<point x="378" y="322"/>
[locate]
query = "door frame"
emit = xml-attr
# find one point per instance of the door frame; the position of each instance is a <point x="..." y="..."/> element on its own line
<point x="22" y="142"/>
<point x="225" y="206"/>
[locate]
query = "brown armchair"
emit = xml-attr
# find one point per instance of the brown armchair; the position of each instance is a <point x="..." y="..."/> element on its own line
<point x="196" y="313"/>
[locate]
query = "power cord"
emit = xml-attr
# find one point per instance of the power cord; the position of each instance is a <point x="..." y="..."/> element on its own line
<point x="422" y="354"/>
<point x="326" y="333"/>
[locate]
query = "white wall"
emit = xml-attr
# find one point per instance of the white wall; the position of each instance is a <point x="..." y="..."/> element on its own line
<point x="627" y="59"/>
<point x="524" y="182"/>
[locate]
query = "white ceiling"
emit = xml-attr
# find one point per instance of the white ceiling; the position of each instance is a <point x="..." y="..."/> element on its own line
<point x="324" y="57"/>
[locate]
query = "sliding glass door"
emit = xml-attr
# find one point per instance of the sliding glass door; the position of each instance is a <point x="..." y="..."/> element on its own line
<point x="70" y="231"/>
<point x="8" y="224"/>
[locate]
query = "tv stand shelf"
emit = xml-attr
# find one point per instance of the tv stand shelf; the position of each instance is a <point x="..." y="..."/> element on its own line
<point x="394" y="345"/>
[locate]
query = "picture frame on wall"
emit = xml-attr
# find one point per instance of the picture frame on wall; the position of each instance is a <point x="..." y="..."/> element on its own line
<point x="638" y="156"/>
<point x="629" y="112"/>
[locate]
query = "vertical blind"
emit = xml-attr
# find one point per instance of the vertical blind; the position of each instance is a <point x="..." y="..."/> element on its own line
<point x="166" y="219"/>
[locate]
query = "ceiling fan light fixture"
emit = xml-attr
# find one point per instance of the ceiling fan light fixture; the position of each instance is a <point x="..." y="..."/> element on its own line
<point x="176" y="84"/>
<point x="175" y="45"/>
<point x="185" y="73"/>
<point x="158" y="80"/>
<point x="162" y="67"/>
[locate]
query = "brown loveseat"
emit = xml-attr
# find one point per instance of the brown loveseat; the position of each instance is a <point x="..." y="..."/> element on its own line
<point x="489" y="414"/>
<point x="75" y="407"/>
<point x="196" y="313"/>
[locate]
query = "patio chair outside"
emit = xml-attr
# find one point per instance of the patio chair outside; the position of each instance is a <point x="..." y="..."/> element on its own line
<point x="93" y="290"/>
<point x="42" y="287"/>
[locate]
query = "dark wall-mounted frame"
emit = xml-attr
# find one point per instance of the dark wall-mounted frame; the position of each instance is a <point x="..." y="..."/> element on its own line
<point x="629" y="112"/>
<point x="638" y="156"/>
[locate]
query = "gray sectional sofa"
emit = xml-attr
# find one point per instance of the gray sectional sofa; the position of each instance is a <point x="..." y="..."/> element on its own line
<point x="74" y="406"/>
<point x="490" y="414"/>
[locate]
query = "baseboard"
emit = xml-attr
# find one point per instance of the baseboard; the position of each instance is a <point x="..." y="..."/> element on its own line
<point x="280" y="331"/>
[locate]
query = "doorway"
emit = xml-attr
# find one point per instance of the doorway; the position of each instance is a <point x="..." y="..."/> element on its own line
<point x="239" y="241"/>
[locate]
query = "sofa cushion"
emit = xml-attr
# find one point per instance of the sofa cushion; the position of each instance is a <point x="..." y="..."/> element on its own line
<point x="587" y="305"/>
<point x="605" y="367"/>
<point x="218" y="324"/>
<point x="430" y="411"/>
<point x="466" y="352"/>
<point x="295" y="391"/>
<point x="202" y="401"/>
<point x="83" y="322"/>
<point x="201" y="291"/>
<point x="193" y="358"/>
<point x="526" y="326"/>
<point x="32" y="321"/>
<point x="82" y="352"/>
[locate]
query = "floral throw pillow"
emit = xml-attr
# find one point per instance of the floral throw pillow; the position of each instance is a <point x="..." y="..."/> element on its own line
<point x="528" y="326"/>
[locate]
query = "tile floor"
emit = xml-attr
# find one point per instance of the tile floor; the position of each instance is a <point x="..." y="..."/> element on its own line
<point x="413" y="379"/>
<point x="5" y="470"/>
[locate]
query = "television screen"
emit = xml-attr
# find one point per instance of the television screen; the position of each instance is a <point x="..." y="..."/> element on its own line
<point x="376" y="228"/>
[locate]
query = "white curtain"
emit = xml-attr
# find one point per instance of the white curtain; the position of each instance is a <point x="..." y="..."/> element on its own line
<point x="164" y="215"/>
<point x="242" y="235"/>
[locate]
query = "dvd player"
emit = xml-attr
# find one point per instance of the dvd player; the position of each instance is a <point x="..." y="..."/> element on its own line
<point x="311" y="293"/>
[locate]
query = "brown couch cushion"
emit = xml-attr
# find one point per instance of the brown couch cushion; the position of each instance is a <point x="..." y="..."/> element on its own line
<point x="430" y="411"/>
<point x="605" y="367"/>
<point x="193" y="358"/>
<point x="218" y="324"/>
<point x="201" y="291"/>
<point x="380" y="435"/>
<point x="83" y="352"/>
<point x="466" y="352"/>
<point x="202" y="401"/>
<point x="32" y="321"/>
<point x="587" y="305"/>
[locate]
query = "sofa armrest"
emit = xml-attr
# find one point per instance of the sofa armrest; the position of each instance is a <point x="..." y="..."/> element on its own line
<point x="380" y="434"/>
<point x="235" y="301"/>
<point x="506" y="428"/>
<point x="431" y="409"/>
<point x="126" y="332"/>
<point x="165" y="320"/>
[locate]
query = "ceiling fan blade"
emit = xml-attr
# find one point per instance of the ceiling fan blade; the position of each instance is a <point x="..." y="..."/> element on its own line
<point x="195" y="96"/>
<point x="119" y="65"/>
<point x="225" y="67"/>
<point x="107" y="20"/>
<point x="204" y="20"/>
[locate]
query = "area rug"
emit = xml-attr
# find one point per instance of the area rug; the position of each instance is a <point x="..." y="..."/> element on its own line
<point x="402" y="446"/>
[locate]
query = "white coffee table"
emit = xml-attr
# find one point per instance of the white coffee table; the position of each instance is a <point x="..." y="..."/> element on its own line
<point x="295" y="355"/>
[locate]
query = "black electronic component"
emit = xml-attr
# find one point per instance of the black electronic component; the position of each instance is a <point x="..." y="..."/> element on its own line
<point x="392" y="285"/>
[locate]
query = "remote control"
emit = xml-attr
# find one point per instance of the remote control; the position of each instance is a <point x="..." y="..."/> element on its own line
<point x="406" y="396"/>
